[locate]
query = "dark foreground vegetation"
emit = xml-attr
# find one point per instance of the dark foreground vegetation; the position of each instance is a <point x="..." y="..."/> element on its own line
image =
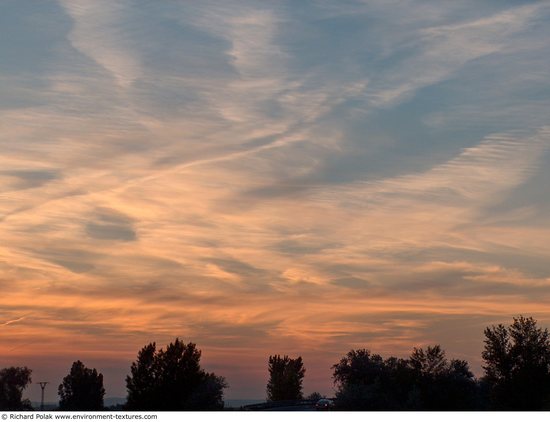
<point x="172" y="379"/>
<point x="516" y="364"/>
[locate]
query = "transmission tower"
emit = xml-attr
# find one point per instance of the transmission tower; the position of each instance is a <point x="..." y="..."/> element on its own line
<point x="42" y="386"/>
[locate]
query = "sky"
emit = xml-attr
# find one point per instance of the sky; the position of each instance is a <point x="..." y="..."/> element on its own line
<point x="269" y="177"/>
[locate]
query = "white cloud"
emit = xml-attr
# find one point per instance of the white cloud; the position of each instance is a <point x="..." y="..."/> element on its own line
<point x="99" y="33"/>
<point x="219" y="174"/>
<point x="441" y="50"/>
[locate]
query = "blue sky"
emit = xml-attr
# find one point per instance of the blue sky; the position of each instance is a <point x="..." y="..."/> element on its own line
<point x="269" y="177"/>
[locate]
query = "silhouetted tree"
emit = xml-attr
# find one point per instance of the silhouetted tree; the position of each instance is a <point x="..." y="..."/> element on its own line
<point x="441" y="384"/>
<point x="517" y="365"/>
<point x="285" y="378"/>
<point x="425" y="381"/>
<point x="82" y="389"/>
<point x="366" y="382"/>
<point x="13" y="381"/>
<point x="315" y="396"/>
<point x="142" y="385"/>
<point x="172" y="379"/>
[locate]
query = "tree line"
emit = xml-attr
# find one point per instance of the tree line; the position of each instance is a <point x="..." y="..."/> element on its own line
<point x="516" y="377"/>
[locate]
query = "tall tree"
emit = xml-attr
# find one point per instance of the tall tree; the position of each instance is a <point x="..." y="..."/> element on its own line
<point x="360" y="379"/>
<point x="425" y="381"/>
<point x="285" y="378"/>
<point x="81" y="389"/>
<point x="441" y="384"/>
<point x="13" y="381"/>
<point x="172" y="379"/>
<point x="517" y="365"/>
<point x="143" y="391"/>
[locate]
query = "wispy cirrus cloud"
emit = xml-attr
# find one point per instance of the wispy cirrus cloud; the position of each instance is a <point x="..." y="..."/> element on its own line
<point x="13" y="321"/>
<point x="257" y="177"/>
<point x="99" y="32"/>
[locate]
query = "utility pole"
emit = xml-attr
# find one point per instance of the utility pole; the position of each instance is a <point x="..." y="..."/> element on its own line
<point x="42" y="386"/>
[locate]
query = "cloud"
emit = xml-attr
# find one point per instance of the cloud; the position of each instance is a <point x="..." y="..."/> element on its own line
<point x="13" y="321"/>
<point x="77" y="261"/>
<point x="111" y="225"/>
<point x="97" y="33"/>
<point x="260" y="177"/>
<point x="352" y="283"/>
<point x="443" y="49"/>
<point x="27" y="179"/>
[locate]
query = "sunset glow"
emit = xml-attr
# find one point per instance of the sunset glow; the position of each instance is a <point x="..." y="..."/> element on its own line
<point x="261" y="177"/>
